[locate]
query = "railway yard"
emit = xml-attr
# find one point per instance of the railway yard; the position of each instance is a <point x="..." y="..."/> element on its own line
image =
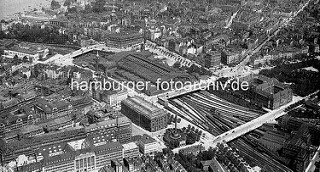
<point x="218" y="116"/>
<point x="201" y="107"/>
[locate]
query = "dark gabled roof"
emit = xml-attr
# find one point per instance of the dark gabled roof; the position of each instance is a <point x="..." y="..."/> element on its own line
<point x="29" y="143"/>
<point x="36" y="166"/>
<point x="59" y="159"/>
<point x="107" y="147"/>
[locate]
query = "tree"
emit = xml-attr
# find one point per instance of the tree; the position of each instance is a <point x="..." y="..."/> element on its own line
<point x="193" y="69"/>
<point x="15" y="59"/>
<point x="198" y="137"/>
<point x="191" y="138"/>
<point x="259" y="65"/>
<point x="98" y="6"/>
<point x="55" y="5"/>
<point x="197" y="131"/>
<point x="176" y="65"/>
<point x="72" y="10"/>
<point x="2" y="34"/>
<point x="88" y="8"/>
<point x="24" y="76"/>
<point x="25" y="59"/>
<point x="50" y="52"/>
<point x="167" y="151"/>
<point x="30" y="60"/>
<point x="67" y="3"/>
<point x="40" y="57"/>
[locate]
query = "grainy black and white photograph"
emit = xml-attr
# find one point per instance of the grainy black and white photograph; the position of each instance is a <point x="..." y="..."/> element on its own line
<point x="159" y="85"/>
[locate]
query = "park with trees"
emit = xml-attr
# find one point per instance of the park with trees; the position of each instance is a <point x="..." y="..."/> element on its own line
<point x="36" y="34"/>
<point x="228" y="157"/>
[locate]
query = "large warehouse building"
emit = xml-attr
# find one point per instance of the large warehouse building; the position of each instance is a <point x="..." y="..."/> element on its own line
<point x="144" y="114"/>
<point x="267" y="92"/>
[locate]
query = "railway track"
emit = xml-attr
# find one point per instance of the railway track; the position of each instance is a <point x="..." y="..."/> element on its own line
<point x="197" y="107"/>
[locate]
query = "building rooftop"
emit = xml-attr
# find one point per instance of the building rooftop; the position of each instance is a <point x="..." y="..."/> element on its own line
<point x="7" y="42"/>
<point x="136" y="138"/>
<point x="146" y="108"/>
<point x="10" y="118"/>
<point x="60" y="152"/>
<point x="274" y="137"/>
<point x="121" y="120"/>
<point x="108" y="147"/>
<point x="54" y="105"/>
<point x="130" y="146"/>
<point x="124" y="36"/>
<point x="46" y="139"/>
<point x="36" y="166"/>
<point x="216" y="166"/>
<point x="266" y="86"/>
<point x="192" y="149"/>
<point x="150" y="70"/>
<point x="302" y="132"/>
<point x="23" y="50"/>
<point x="146" y="139"/>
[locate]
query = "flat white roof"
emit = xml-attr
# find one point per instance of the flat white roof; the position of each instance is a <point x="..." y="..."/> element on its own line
<point x="129" y="146"/>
